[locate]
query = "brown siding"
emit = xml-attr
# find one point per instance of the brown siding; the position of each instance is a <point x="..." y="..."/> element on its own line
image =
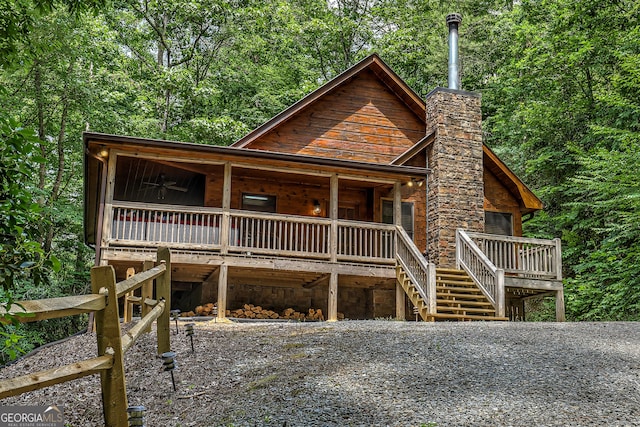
<point x="498" y="199"/>
<point x="361" y="120"/>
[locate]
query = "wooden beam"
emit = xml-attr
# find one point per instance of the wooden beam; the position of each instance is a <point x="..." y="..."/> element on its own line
<point x="225" y="229"/>
<point x="53" y="308"/>
<point x="142" y="326"/>
<point x="127" y="307"/>
<point x="222" y="291"/>
<point x="316" y="282"/>
<point x="107" y="220"/>
<point x="136" y="281"/>
<point x="332" y="306"/>
<point x="38" y="380"/>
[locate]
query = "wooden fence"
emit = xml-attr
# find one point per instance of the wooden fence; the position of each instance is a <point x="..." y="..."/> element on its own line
<point x="103" y="302"/>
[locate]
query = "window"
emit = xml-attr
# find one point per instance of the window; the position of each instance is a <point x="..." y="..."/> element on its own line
<point x="407" y="215"/>
<point x="498" y="223"/>
<point x="259" y="202"/>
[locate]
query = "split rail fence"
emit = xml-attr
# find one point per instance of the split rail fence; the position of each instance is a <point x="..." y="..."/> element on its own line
<point x="103" y="302"/>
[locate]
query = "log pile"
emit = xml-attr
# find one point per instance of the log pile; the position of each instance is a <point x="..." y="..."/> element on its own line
<point x="250" y="311"/>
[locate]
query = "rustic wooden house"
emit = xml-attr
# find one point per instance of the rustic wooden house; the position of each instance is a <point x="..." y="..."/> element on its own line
<point x="361" y="199"/>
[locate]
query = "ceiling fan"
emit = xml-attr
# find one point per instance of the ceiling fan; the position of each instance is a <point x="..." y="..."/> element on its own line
<point x="162" y="184"/>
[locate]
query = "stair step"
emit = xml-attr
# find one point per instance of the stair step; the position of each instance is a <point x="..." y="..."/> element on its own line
<point x="466" y="309"/>
<point x="460" y="283"/>
<point x="440" y="301"/>
<point x="449" y="271"/>
<point x="461" y="296"/>
<point x="449" y="316"/>
<point x="457" y="289"/>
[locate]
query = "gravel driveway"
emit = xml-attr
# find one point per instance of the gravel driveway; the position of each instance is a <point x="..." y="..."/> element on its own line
<point x="369" y="373"/>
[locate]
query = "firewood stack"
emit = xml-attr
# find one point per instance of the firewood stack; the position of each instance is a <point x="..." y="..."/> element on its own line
<point x="250" y="311"/>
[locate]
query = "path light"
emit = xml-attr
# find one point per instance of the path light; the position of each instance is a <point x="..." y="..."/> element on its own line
<point x="169" y="364"/>
<point x="136" y="415"/>
<point x="416" y="311"/>
<point x="190" y="331"/>
<point x="174" y="315"/>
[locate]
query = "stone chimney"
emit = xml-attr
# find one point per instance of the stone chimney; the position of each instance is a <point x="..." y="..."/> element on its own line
<point x="456" y="187"/>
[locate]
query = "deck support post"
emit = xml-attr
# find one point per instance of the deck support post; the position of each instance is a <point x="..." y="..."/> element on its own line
<point x="333" y="215"/>
<point x="225" y="228"/>
<point x="560" y="317"/>
<point x="400" y="302"/>
<point x="397" y="203"/>
<point x="222" y="291"/>
<point x="332" y="306"/>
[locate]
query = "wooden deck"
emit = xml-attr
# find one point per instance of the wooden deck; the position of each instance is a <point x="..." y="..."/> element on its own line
<point x="216" y="248"/>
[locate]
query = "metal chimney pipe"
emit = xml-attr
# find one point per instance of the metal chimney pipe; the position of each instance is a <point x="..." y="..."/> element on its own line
<point x="453" y="20"/>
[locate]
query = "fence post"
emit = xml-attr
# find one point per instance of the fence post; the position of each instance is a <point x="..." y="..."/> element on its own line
<point x="146" y="292"/>
<point x="163" y="291"/>
<point x="114" y="391"/>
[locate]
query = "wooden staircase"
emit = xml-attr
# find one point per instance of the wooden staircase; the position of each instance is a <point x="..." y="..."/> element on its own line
<point x="457" y="297"/>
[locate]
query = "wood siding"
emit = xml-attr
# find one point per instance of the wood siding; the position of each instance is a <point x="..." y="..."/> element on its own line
<point x="361" y="120"/>
<point x="497" y="198"/>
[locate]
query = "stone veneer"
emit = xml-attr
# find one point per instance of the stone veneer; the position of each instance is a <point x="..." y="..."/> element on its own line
<point x="456" y="188"/>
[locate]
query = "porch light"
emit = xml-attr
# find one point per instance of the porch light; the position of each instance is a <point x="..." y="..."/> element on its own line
<point x="103" y="152"/>
<point x="169" y="364"/>
<point x="317" y="209"/>
<point x="135" y="416"/>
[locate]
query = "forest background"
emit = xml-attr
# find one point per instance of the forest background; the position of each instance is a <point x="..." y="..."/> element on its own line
<point x="560" y="84"/>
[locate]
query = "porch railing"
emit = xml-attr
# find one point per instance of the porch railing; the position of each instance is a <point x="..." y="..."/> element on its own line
<point x="522" y="257"/>
<point x="417" y="268"/>
<point x="186" y="227"/>
<point x="488" y="277"/>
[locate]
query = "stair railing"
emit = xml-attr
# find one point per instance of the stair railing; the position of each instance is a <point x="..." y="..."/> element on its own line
<point x="484" y="273"/>
<point x="421" y="273"/>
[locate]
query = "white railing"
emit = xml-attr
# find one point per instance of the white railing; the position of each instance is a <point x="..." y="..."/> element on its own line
<point x="133" y="223"/>
<point x="279" y="234"/>
<point x="522" y="257"/>
<point x="360" y="241"/>
<point x="488" y="277"/>
<point x="421" y="273"/>
<point x="187" y="227"/>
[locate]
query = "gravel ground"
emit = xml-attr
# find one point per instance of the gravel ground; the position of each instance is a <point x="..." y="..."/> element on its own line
<point x="368" y="373"/>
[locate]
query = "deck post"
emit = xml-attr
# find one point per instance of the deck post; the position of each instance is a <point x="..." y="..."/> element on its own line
<point x="163" y="292"/>
<point x="560" y="315"/>
<point x="500" y="309"/>
<point x="127" y="307"/>
<point x="431" y="289"/>
<point x="225" y="227"/>
<point x="400" y="302"/>
<point x="332" y="306"/>
<point x="222" y="291"/>
<point x="108" y="204"/>
<point x="397" y="203"/>
<point x="114" y="390"/>
<point x="333" y="214"/>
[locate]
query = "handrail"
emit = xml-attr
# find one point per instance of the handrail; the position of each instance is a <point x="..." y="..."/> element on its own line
<point x="417" y="268"/>
<point x="521" y="256"/>
<point x="488" y="278"/>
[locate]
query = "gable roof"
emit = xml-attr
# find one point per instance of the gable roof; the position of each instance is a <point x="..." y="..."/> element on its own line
<point x="529" y="201"/>
<point x="372" y="63"/>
